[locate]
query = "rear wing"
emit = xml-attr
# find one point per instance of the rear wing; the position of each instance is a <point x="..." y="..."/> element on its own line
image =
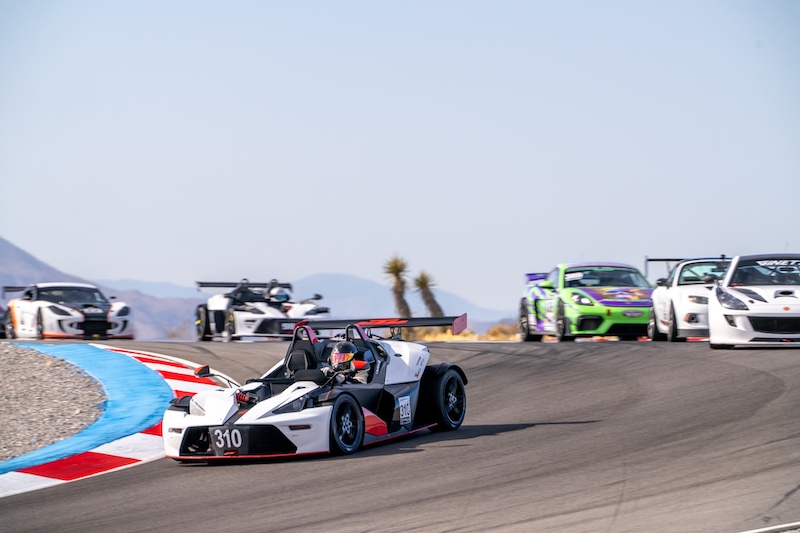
<point x="669" y="261"/>
<point x="13" y="288"/>
<point x="243" y="283"/>
<point x="458" y="323"/>
<point x="535" y="276"/>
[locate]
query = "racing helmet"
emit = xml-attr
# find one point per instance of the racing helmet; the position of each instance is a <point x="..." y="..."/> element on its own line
<point x="342" y="354"/>
<point x="278" y="294"/>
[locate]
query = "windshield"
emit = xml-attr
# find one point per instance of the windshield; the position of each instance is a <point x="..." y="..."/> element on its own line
<point x="72" y="295"/>
<point x="693" y="273"/>
<point x="767" y="272"/>
<point x="604" y="276"/>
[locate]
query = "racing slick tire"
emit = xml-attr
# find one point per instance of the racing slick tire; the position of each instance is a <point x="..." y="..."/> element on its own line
<point x="450" y="401"/>
<point x="652" y="328"/>
<point x="562" y="325"/>
<point x="347" y="425"/>
<point x="525" y="327"/>
<point x="202" y="325"/>
<point x="39" y="326"/>
<point x="672" y="331"/>
<point x="10" y="333"/>
<point x="230" y="326"/>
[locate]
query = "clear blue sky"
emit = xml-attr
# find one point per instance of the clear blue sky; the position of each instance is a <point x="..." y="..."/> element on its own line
<point x="187" y="140"/>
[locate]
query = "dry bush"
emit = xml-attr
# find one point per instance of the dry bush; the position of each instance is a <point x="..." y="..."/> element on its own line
<point x="500" y="332"/>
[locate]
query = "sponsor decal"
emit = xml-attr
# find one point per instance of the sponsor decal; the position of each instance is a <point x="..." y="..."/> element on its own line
<point x="632" y="314"/>
<point x="405" y="409"/>
<point x="779" y="262"/>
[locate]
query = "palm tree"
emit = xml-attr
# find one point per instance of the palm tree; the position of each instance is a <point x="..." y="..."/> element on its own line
<point x="397" y="267"/>
<point x="424" y="284"/>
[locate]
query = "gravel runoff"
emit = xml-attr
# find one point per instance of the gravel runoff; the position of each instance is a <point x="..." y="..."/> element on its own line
<point x="43" y="399"/>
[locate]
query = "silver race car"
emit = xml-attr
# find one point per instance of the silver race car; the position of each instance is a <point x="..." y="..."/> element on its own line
<point x="253" y="309"/>
<point x="66" y="311"/>
<point x="313" y="401"/>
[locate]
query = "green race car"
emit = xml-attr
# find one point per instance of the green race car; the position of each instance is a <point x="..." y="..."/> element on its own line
<point x="585" y="300"/>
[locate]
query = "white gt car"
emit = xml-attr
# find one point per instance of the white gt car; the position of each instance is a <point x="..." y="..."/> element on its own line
<point x="66" y="311"/>
<point x="757" y="302"/>
<point x="253" y="310"/>
<point x="680" y="301"/>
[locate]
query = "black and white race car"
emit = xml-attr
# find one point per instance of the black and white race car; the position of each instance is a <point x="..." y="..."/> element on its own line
<point x="306" y="404"/>
<point x="253" y="309"/>
<point x="66" y="311"/>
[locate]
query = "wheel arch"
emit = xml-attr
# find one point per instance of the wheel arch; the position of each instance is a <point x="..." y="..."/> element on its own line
<point x="434" y="371"/>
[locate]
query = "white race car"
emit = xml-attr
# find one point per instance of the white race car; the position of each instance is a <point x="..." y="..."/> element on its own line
<point x="680" y="301"/>
<point x="253" y="310"/>
<point x="310" y="402"/>
<point x="66" y="311"/>
<point x="757" y="302"/>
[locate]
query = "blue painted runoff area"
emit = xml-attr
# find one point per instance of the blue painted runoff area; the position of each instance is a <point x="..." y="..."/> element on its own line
<point x="137" y="397"/>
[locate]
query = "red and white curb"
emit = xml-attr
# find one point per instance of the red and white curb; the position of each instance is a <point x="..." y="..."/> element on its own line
<point x="128" y="451"/>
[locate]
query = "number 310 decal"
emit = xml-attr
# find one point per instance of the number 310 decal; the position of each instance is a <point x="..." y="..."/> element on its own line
<point x="405" y="409"/>
<point x="227" y="438"/>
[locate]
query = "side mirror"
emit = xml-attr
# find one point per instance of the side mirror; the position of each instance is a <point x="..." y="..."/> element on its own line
<point x="661" y="282"/>
<point x="202" y="371"/>
<point x="710" y="278"/>
<point x="316" y="297"/>
<point x="547" y="285"/>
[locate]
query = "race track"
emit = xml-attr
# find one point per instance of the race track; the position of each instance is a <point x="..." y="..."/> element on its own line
<point x="564" y="437"/>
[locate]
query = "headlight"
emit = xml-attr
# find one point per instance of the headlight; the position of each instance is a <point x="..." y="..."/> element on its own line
<point x="728" y="301"/>
<point x="698" y="299"/>
<point x="294" y="406"/>
<point x="580" y="299"/>
<point x="125" y="311"/>
<point x="59" y="311"/>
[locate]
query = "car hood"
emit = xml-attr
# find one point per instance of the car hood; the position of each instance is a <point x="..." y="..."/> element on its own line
<point x="620" y="296"/>
<point x="773" y="294"/>
<point x="85" y="307"/>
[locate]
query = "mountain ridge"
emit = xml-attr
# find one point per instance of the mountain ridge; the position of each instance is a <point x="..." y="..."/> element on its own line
<point x="164" y="310"/>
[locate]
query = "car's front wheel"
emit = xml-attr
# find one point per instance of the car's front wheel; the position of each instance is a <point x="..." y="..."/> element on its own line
<point x="39" y="326"/>
<point x="652" y="328"/>
<point x="451" y="401"/>
<point x="562" y="325"/>
<point x="347" y="425"/>
<point x="672" y="330"/>
<point x="230" y="326"/>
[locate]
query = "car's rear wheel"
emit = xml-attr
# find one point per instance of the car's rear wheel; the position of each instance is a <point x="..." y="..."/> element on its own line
<point x="652" y="328"/>
<point x="10" y="333"/>
<point x="525" y="327"/>
<point x="451" y="401"/>
<point x="347" y="425"/>
<point x="201" y="322"/>
<point x="39" y="326"/>
<point x="672" y="330"/>
<point x="562" y="325"/>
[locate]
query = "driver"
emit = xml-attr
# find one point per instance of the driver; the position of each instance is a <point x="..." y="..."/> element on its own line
<point x="343" y="363"/>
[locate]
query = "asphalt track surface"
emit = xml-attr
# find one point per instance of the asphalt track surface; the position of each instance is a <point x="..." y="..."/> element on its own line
<point x="563" y="437"/>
